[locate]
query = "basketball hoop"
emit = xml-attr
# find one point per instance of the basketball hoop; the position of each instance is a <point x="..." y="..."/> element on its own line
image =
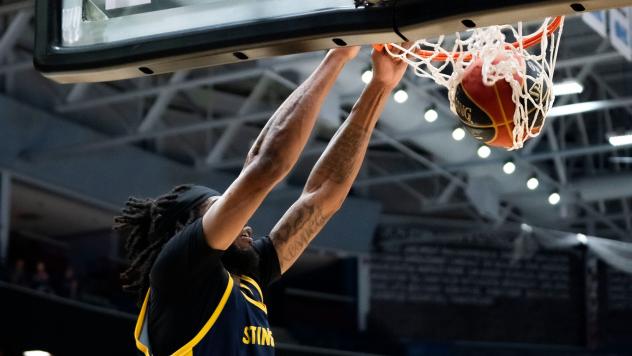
<point x="527" y="64"/>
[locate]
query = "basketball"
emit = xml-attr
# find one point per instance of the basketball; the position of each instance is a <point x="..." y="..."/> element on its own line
<point x="487" y="112"/>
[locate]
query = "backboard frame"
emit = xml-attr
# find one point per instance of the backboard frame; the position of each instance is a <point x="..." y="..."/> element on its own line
<point x="394" y="22"/>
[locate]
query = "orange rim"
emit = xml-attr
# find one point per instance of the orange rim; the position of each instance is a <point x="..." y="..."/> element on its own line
<point x="527" y="42"/>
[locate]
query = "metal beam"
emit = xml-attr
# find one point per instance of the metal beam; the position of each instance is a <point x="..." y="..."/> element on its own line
<point x="581" y="204"/>
<point x="503" y="216"/>
<point x="587" y="67"/>
<point x="613" y="93"/>
<point x="396" y="219"/>
<point x="80" y="148"/>
<point x="583" y="135"/>
<point x="618" y="216"/>
<point x="156" y="90"/>
<point x="249" y="73"/>
<point x="422" y="200"/>
<point x="216" y="154"/>
<point x="447" y="193"/>
<point x="560" y="167"/>
<point x="16" y="6"/>
<point x="536" y="157"/>
<point x="10" y="78"/>
<point x="160" y="105"/>
<point x="627" y="217"/>
<point x="5" y="216"/>
<point x="317" y="150"/>
<point x="617" y="76"/>
<point x="604" y="219"/>
<point x="15" y="67"/>
<point x="212" y="79"/>
<point x="14" y="31"/>
<point x="435" y="168"/>
<point x="597" y="58"/>
<point x="77" y="92"/>
<point x="456" y="167"/>
<point x="589" y="106"/>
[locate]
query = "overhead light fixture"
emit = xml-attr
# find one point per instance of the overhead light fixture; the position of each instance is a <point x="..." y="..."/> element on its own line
<point x="401" y="95"/>
<point x="533" y="183"/>
<point x="509" y="167"/>
<point x="458" y="134"/>
<point x="36" y="353"/>
<point x="554" y="198"/>
<point x="526" y="227"/>
<point x="578" y="108"/>
<point x="624" y="160"/>
<point x="484" y="151"/>
<point x="567" y="88"/>
<point x="431" y="114"/>
<point x="367" y="75"/>
<point x="583" y="239"/>
<point x="620" y="140"/>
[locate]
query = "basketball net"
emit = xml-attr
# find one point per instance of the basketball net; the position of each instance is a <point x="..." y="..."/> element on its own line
<point x="501" y="61"/>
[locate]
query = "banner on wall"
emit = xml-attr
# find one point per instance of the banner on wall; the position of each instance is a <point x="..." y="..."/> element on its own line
<point x="621" y="31"/>
<point x="598" y="21"/>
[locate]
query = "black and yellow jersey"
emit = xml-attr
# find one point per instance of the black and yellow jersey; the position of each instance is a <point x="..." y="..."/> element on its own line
<point x="194" y="306"/>
<point x="237" y="327"/>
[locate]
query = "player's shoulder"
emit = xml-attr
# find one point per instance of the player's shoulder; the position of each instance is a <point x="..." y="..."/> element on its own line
<point x="185" y="250"/>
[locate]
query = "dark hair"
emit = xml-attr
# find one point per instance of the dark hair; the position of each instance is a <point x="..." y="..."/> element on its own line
<point x="145" y="230"/>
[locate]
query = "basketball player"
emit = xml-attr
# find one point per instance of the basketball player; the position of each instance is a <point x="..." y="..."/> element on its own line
<point x="195" y="263"/>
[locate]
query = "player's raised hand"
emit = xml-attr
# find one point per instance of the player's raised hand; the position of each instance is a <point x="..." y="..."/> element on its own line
<point x="388" y="70"/>
<point x="347" y="53"/>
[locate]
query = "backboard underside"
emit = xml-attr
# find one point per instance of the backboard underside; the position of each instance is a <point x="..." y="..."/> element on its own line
<point x="103" y="40"/>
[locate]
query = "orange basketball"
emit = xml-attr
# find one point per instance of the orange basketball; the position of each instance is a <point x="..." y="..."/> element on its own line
<point x="487" y="111"/>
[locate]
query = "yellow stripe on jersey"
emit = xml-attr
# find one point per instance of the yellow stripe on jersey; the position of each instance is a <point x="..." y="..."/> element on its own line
<point x="186" y="350"/>
<point x="254" y="283"/>
<point x="255" y="303"/>
<point x="247" y="288"/>
<point x="139" y="326"/>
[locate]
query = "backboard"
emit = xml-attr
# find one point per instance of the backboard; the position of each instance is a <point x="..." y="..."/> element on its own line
<point x="103" y="40"/>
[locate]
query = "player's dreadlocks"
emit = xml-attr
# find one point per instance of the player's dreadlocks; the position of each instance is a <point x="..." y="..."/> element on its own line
<point x="143" y="224"/>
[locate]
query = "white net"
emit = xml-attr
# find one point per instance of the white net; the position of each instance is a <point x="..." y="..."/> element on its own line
<point x="526" y="64"/>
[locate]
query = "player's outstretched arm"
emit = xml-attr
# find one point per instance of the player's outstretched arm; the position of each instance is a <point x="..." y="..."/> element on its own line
<point x="331" y="179"/>
<point x="274" y="153"/>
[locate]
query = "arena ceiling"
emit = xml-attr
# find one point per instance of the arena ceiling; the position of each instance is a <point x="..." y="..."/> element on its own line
<point x="206" y="119"/>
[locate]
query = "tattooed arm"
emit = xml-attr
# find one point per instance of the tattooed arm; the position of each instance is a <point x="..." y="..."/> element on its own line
<point x="274" y="153"/>
<point x="331" y="179"/>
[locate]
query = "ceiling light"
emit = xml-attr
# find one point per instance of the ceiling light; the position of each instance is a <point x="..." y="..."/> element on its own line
<point x="401" y="96"/>
<point x="567" y="88"/>
<point x="533" y="183"/>
<point x="526" y="227"/>
<point x="484" y="151"/>
<point x="431" y="114"/>
<point x="624" y="160"/>
<point x="577" y="108"/>
<point x="367" y="75"/>
<point x="509" y="167"/>
<point x="554" y="198"/>
<point x="620" y="140"/>
<point x="36" y="353"/>
<point x="458" y="134"/>
<point x="583" y="239"/>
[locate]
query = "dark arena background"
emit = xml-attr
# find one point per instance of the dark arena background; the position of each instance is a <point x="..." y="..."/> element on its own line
<point x="443" y="247"/>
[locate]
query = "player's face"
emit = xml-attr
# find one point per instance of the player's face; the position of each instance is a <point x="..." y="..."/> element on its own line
<point x="244" y="240"/>
<point x="241" y="257"/>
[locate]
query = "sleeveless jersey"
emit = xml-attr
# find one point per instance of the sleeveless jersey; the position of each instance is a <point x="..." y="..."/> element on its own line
<point x="237" y="327"/>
